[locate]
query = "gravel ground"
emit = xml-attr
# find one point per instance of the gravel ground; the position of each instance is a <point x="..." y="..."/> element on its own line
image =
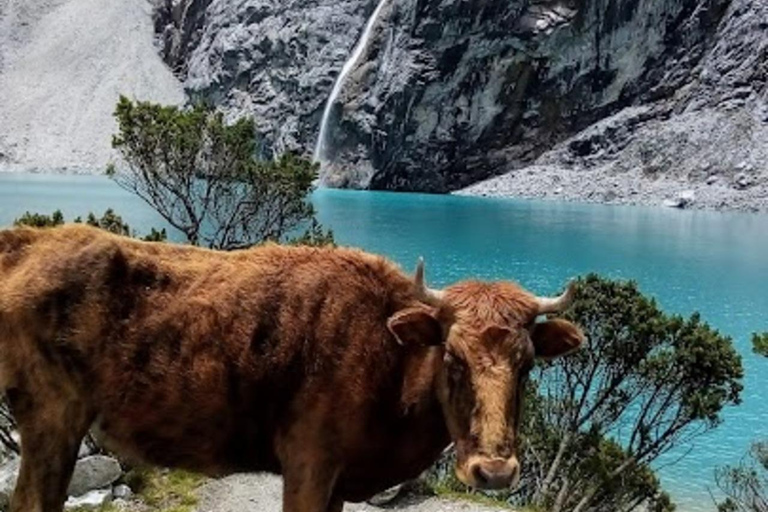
<point x="695" y="160"/>
<point x="560" y="184"/>
<point x="262" y="493"/>
<point x="63" y="64"/>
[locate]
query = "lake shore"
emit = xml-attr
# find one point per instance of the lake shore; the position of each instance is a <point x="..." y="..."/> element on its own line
<point x="719" y="193"/>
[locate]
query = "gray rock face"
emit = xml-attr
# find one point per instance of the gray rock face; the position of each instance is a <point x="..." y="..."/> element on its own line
<point x="93" y="473"/>
<point x="450" y="92"/>
<point x="708" y="134"/>
<point x="273" y="59"/>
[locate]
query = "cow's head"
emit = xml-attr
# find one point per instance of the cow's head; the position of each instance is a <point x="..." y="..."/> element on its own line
<point x="490" y="338"/>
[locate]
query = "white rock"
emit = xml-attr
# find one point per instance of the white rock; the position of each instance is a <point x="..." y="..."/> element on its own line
<point x="687" y="196"/>
<point x="9" y="473"/>
<point x="94" y="472"/>
<point x="683" y="200"/>
<point x="114" y="55"/>
<point x="121" y="504"/>
<point x="742" y="181"/>
<point x="122" y="491"/>
<point x="93" y="499"/>
<point x="84" y="450"/>
<point x="386" y="497"/>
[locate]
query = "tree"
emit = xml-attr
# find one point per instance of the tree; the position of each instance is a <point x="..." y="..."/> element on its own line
<point x="646" y="383"/>
<point x="201" y="176"/>
<point x="746" y="485"/>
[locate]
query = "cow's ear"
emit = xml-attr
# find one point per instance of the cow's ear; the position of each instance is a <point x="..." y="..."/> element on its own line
<point x="555" y="338"/>
<point x="415" y="326"/>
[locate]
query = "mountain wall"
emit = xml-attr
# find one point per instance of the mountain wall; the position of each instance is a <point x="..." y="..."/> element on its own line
<point x="450" y="92"/>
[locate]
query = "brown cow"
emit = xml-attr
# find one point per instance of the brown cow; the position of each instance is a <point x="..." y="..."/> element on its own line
<point x="328" y="366"/>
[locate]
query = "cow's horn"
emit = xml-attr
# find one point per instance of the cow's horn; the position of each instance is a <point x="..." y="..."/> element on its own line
<point x="557" y="304"/>
<point x="426" y="294"/>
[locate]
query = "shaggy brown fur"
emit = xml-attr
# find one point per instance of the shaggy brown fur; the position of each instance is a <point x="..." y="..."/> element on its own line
<point x="280" y="359"/>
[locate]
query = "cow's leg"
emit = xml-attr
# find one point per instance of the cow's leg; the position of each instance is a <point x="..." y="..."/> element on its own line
<point x="308" y="487"/>
<point x="51" y="432"/>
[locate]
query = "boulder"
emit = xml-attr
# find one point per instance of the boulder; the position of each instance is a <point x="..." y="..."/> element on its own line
<point x="742" y="181"/>
<point x="122" y="492"/>
<point x="684" y="199"/>
<point x="386" y="497"/>
<point x="85" y="450"/>
<point x="92" y="473"/>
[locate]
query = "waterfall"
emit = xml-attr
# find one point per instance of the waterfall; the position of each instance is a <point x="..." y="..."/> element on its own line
<point x="348" y="67"/>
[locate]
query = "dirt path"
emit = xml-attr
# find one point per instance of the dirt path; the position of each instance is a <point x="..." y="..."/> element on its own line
<point x="260" y="493"/>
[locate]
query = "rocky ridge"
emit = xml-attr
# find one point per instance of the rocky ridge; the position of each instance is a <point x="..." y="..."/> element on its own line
<point x="636" y="101"/>
<point x="704" y="145"/>
<point x="599" y="100"/>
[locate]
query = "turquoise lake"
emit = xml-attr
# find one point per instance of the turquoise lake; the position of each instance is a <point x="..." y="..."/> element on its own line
<point x="716" y="263"/>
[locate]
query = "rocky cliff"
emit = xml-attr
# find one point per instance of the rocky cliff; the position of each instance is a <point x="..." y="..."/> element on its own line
<point x="273" y="59"/>
<point x="614" y="96"/>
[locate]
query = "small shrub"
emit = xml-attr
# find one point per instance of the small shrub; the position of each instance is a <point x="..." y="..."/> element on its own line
<point x="38" y="220"/>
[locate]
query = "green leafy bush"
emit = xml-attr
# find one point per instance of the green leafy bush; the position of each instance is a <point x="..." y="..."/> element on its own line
<point x="201" y="175"/>
<point x="38" y="220"/>
<point x="109" y="221"/>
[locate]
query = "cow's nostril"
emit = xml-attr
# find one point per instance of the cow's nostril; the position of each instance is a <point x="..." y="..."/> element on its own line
<point x="480" y="476"/>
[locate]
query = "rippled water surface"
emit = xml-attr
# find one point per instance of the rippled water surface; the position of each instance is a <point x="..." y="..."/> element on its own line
<point x="715" y="263"/>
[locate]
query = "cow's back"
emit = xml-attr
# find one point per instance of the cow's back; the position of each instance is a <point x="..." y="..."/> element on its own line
<point x="190" y="357"/>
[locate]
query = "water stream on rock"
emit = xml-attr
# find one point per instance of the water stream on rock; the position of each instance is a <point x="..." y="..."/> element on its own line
<point x="348" y="67"/>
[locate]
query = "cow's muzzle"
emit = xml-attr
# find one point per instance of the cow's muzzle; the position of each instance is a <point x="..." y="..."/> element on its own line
<point x="492" y="474"/>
